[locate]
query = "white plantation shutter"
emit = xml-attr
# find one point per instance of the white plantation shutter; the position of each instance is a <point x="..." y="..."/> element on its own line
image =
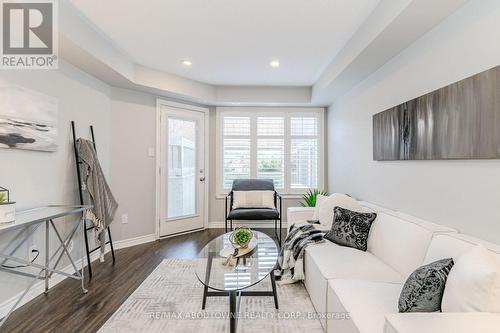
<point x="236" y="160"/>
<point x="283" y="146"/>
<point x="270" y="156"/>
<point x="304" y="126"/>
<point x="304" y="163"/>
<point x="236" y="149"/>
<point x="304" y="152"/>
<point x="270" y="126"/>
<point x="236" y="126"/>
<point x="271" y="149"/>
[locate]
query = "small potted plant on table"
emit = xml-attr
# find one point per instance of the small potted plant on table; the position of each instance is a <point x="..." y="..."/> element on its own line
<point x="7" y="207"/>
<point x="241" y="237"/>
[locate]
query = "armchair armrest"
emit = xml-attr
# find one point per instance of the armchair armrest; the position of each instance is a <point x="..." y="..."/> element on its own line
<point x="439" y="322"/>
<point x="299" y="214"/>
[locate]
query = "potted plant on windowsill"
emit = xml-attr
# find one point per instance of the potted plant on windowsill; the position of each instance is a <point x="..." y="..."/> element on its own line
<point x="309" y="198"/>
<point x="7" y="207"/>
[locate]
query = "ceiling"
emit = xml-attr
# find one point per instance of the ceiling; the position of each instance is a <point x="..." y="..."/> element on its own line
<point x="230" y="42"/>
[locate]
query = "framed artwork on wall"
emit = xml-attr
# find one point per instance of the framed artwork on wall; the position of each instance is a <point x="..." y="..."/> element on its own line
<point x="459" y="121"/>
<point x="28" y="119"/>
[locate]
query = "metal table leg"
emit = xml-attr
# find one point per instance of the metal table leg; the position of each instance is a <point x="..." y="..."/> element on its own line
<point x="275" y="293"/>
<point x="47" y="232"/>
<point x="32" y="283"/>
<point x="66" y="242"/>
<point x="234" y="302"/>
<point x="64" y="246"/>
<point x="207" y="279"/>
<point x="45" y="270"/>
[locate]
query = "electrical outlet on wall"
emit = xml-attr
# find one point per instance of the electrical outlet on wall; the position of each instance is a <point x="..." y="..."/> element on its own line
<point x="124" y="218"/>
<point x="32" y="252"/>
<point x="151" y="152"/>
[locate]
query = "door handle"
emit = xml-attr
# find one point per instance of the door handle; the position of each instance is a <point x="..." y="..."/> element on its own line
<point x="202" y="179"/>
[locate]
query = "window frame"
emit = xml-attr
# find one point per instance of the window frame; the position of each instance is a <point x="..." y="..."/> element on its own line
<point x="254" y="113"/>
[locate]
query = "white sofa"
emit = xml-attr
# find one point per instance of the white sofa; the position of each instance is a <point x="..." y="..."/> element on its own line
<point x="367" y="285"/>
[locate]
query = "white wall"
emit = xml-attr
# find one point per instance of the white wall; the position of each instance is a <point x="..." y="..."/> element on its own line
<point x="41" y="178"/>
<point x="461" y="194"/>
<point x="133" y="128"/>
<point x="125" y="127"/>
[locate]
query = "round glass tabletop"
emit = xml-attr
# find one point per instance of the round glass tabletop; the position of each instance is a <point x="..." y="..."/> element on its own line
<point x="249" y="270"/>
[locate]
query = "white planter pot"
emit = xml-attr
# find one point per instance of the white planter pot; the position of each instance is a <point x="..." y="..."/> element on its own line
<point x="7" y="212"/>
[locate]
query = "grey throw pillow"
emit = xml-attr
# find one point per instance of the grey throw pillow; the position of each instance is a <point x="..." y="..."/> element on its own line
<point x="423" y="291"/>
<point x="350" y="228"/>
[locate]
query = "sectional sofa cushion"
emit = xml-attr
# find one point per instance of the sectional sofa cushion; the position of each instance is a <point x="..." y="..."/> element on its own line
<point x="366" y="302"/>
<point x="350" y="228"/>
<point x="339" y="262"/>
<point x="400" y="243"/>
<point x="439" y="322"/>
<point x="474" y="283"/>
<point x="319" y="200"/>
<point x="295" y="215"/>
<point x="423" y="291"/>
<point x="454" y="245"/>
<point x="325" y="210"/>
<point x="326" y="261"/>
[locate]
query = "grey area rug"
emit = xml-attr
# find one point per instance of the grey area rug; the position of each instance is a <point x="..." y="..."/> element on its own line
<point x="169" y="300"/>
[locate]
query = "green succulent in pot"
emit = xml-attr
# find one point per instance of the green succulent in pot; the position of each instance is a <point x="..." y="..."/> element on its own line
<point x="3" y="198"/>
<point x="7" y="207"/>
<point x="241" y="237"/>
<point x="309" y="198"/>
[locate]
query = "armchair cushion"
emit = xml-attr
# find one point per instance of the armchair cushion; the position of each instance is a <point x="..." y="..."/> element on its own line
<point x="253" y="214"/>
<point x="253" y="199"/>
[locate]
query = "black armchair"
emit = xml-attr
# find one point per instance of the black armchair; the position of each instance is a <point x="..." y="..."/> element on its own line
<point x="254" y="213"/>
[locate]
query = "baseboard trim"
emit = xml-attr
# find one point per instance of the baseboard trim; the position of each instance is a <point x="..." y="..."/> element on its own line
<point x="121" y="244"/>
<point x="39" y="287"/>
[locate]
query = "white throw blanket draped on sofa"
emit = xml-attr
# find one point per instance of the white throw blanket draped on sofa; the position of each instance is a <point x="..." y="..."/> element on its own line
<point x="292" y="253"/>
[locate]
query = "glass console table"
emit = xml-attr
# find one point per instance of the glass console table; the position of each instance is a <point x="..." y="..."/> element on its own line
<point x="26" y="223"/>
<point x="250" y="269"/>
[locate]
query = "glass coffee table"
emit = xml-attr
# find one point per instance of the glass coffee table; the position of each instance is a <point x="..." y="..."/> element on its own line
<point x="250" y="269"/>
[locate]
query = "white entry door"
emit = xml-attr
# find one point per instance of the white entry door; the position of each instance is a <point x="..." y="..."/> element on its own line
<point x="182" y="170"/>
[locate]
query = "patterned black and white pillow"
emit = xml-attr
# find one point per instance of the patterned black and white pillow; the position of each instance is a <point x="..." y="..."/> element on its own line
<point x="423" y="291"/>
<point x="350" y="228"/>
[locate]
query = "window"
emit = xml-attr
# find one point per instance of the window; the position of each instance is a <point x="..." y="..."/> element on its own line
<point x="271" y="149"/>
<point x="280" y="144"/>
<point x="236" y="159"/>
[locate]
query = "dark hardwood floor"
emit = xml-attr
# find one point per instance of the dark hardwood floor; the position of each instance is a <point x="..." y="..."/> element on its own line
<point x="66" y="309"/>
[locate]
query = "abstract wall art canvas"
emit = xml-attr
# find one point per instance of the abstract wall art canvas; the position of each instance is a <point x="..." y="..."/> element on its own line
<point x="459" y="121"/>
<point x="28" y="119"/>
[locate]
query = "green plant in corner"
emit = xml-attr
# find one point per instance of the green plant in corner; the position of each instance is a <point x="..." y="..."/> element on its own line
<point x="309" y="198"/>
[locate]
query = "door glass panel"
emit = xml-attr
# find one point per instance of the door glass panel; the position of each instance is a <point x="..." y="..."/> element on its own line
<point x="181" y="161"/>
